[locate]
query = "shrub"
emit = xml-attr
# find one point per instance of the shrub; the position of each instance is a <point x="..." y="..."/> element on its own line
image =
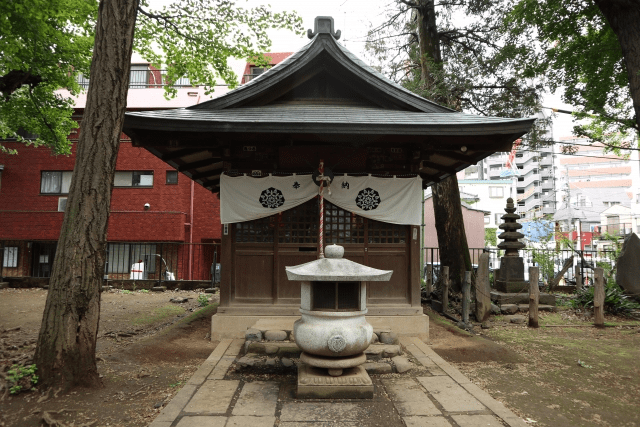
<point x="203" y="300"/>
<point x="615" y="301"/>
<point x="21" y="378"/>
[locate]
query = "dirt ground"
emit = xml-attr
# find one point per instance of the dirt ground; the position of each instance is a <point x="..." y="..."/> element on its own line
<point x="573" y="375"/>
<point x="147" y="348"/>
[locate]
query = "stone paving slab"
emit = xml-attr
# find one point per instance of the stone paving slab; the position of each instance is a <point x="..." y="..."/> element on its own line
<point x="258" y="398"/>
<point x="409" y="398"/>
<point x="477" y="421"/>
<point x="445" y="399"/>
<point x="246" y="421"/>
<point x="321" y="411"/>
<point x="450" y="394"/>
<point x="426" y="422"/>
<point x="202" y="421"/>
<point x="213" y="397"/>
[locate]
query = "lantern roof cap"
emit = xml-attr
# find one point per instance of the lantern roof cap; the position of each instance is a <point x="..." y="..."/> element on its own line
<point x="334" y="268"/>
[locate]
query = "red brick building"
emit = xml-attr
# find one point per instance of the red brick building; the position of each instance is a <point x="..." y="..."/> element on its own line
<point x="158" y="215"/>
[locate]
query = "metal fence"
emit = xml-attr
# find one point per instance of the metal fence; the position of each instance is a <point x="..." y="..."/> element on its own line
<point x="124" y="260"/>
<point x="142" y="79"/>
<point x="549" y="261"/>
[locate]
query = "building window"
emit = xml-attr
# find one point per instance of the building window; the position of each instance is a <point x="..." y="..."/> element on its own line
<point x="123" y="255"/>
<point x="497" y="217"/>
<point x="133" y="179"/>
<point x="487" y="219"/>
<point x="55" y="182"/>
<point x="172" y="177"/>
<point x="10" y="258"/>
<point x="496" y="192"/>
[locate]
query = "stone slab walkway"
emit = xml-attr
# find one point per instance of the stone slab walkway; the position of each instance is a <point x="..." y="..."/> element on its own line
<point x="445" y="398"/>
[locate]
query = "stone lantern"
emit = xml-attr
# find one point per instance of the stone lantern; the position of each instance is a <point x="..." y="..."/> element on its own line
<point x="332" y="331"/>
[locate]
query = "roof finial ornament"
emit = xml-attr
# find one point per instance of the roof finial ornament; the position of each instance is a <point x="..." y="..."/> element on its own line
<point x="323" y="25"/>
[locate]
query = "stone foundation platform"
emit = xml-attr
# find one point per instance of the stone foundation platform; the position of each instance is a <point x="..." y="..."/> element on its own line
<point x="316" y="383"/>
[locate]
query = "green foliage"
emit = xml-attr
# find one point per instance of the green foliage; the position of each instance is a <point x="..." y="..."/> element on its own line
<point x="545" y="260"/>
<point x="126" y="291"/>
<point x="203" y="300"/>
<point x="21" y="378"/>
<point x="490" y="237"/>
<point x="578" y="52"/>
<point x="144" y="291"/>
<point x="44" y="45"/>
<point x="615" y="301"/>
<point x="195" y="38"/>
<point x="50" y="42"/>
<point x="477" y="72"/>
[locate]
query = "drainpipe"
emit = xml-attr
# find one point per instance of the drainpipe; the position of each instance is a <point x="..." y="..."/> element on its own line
<point x="191" y="231"/>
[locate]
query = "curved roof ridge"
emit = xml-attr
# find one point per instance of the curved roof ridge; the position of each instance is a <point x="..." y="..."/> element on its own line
<point x="341" y="54"/>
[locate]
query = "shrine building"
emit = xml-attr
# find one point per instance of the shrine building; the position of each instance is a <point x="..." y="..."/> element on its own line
<point x="260" y="147"/>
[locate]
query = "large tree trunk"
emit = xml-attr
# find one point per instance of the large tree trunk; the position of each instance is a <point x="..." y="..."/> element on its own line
<point x="452" y="239"/>
<point x="65" y="353"/>
<point x="624" y="18"/>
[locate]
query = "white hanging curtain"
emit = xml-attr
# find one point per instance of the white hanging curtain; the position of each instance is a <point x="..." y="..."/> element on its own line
<point x="393" y="200"/>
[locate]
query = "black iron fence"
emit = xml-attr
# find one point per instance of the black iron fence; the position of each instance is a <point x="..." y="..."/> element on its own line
<point x="148" y="78"/>
<point x="550" y="262"/>
<point x="125" y="260"/>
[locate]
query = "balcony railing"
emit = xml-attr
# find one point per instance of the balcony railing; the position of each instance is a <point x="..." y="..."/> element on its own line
<point x="144" y="79"/>
<point x="618" y="230"/>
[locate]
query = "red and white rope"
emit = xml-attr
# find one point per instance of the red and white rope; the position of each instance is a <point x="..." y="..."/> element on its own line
<point x="321" y="193"/>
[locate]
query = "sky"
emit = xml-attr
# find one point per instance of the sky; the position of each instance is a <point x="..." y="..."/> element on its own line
<point x="354" y="18"/>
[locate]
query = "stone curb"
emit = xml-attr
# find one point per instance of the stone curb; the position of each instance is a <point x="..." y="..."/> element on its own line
<point x="180" y="400"/>
<point x="483" y="397"/>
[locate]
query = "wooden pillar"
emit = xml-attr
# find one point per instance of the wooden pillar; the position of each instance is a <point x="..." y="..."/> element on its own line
<point x="534" y="296"/>
<point x="414" y="267"/>
<point x="466" y="297"/>
<point x="445" y="288"/>
<point x="226" y="265"/>
<point x="598" y="297"/>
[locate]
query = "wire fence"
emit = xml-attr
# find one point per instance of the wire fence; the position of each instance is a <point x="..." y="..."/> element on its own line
<point x="550" y="262"/>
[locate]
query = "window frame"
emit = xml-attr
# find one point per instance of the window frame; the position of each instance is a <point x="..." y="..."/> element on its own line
<point x="133" y="174"/>
<point x="495" y="187"/>
<point x="61" y="183"/>
<point x="173" y="173"/>
<point x="14" y="257"/>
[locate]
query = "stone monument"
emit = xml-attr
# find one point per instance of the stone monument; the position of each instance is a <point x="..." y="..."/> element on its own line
<point x="628" y="268"/>
<point x="510" y="277"/>
<point x="332" y="331"/>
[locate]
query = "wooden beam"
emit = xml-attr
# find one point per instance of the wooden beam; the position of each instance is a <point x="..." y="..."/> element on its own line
<point x="206" y="174"/>
<point x="438" y="167"/>
<point x="172" y="155"/>
<point x="196" y="165"/>
<point x="211" y="183"/>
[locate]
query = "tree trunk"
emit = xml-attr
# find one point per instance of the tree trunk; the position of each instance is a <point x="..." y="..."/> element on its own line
<point x="452" y="238"/>
<point x="65" y="353"/>
<point x="624" y="18"/>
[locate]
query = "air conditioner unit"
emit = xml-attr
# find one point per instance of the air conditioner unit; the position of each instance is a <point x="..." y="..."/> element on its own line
<point x="62" y="204"/>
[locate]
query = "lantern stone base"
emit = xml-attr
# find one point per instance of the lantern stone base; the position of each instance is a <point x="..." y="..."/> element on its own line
<point x="316" y="383"/>
<point x="235" y="324"/>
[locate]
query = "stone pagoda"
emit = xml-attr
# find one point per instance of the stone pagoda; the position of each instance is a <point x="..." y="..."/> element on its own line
<point x="510" y="276"/>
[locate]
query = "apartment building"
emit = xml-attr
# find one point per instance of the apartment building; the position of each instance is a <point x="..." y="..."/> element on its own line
<point x="160" y="220"/>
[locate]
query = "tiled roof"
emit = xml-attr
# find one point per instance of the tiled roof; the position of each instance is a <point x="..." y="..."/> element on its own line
<point x="369" y="119"/>
<point x="276" y="58"/>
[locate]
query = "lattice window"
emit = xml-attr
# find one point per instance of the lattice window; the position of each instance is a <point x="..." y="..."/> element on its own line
<point x="256" y="231"/>
<point x="300" y="224"/>
<point x="342" y="226"/>
<point x="382" y="232"/>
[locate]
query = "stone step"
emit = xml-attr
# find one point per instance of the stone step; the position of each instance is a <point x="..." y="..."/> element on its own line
<point x="380" y="351"/>
<point x="501" y="298"/>
<point x="273" y="348"/>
